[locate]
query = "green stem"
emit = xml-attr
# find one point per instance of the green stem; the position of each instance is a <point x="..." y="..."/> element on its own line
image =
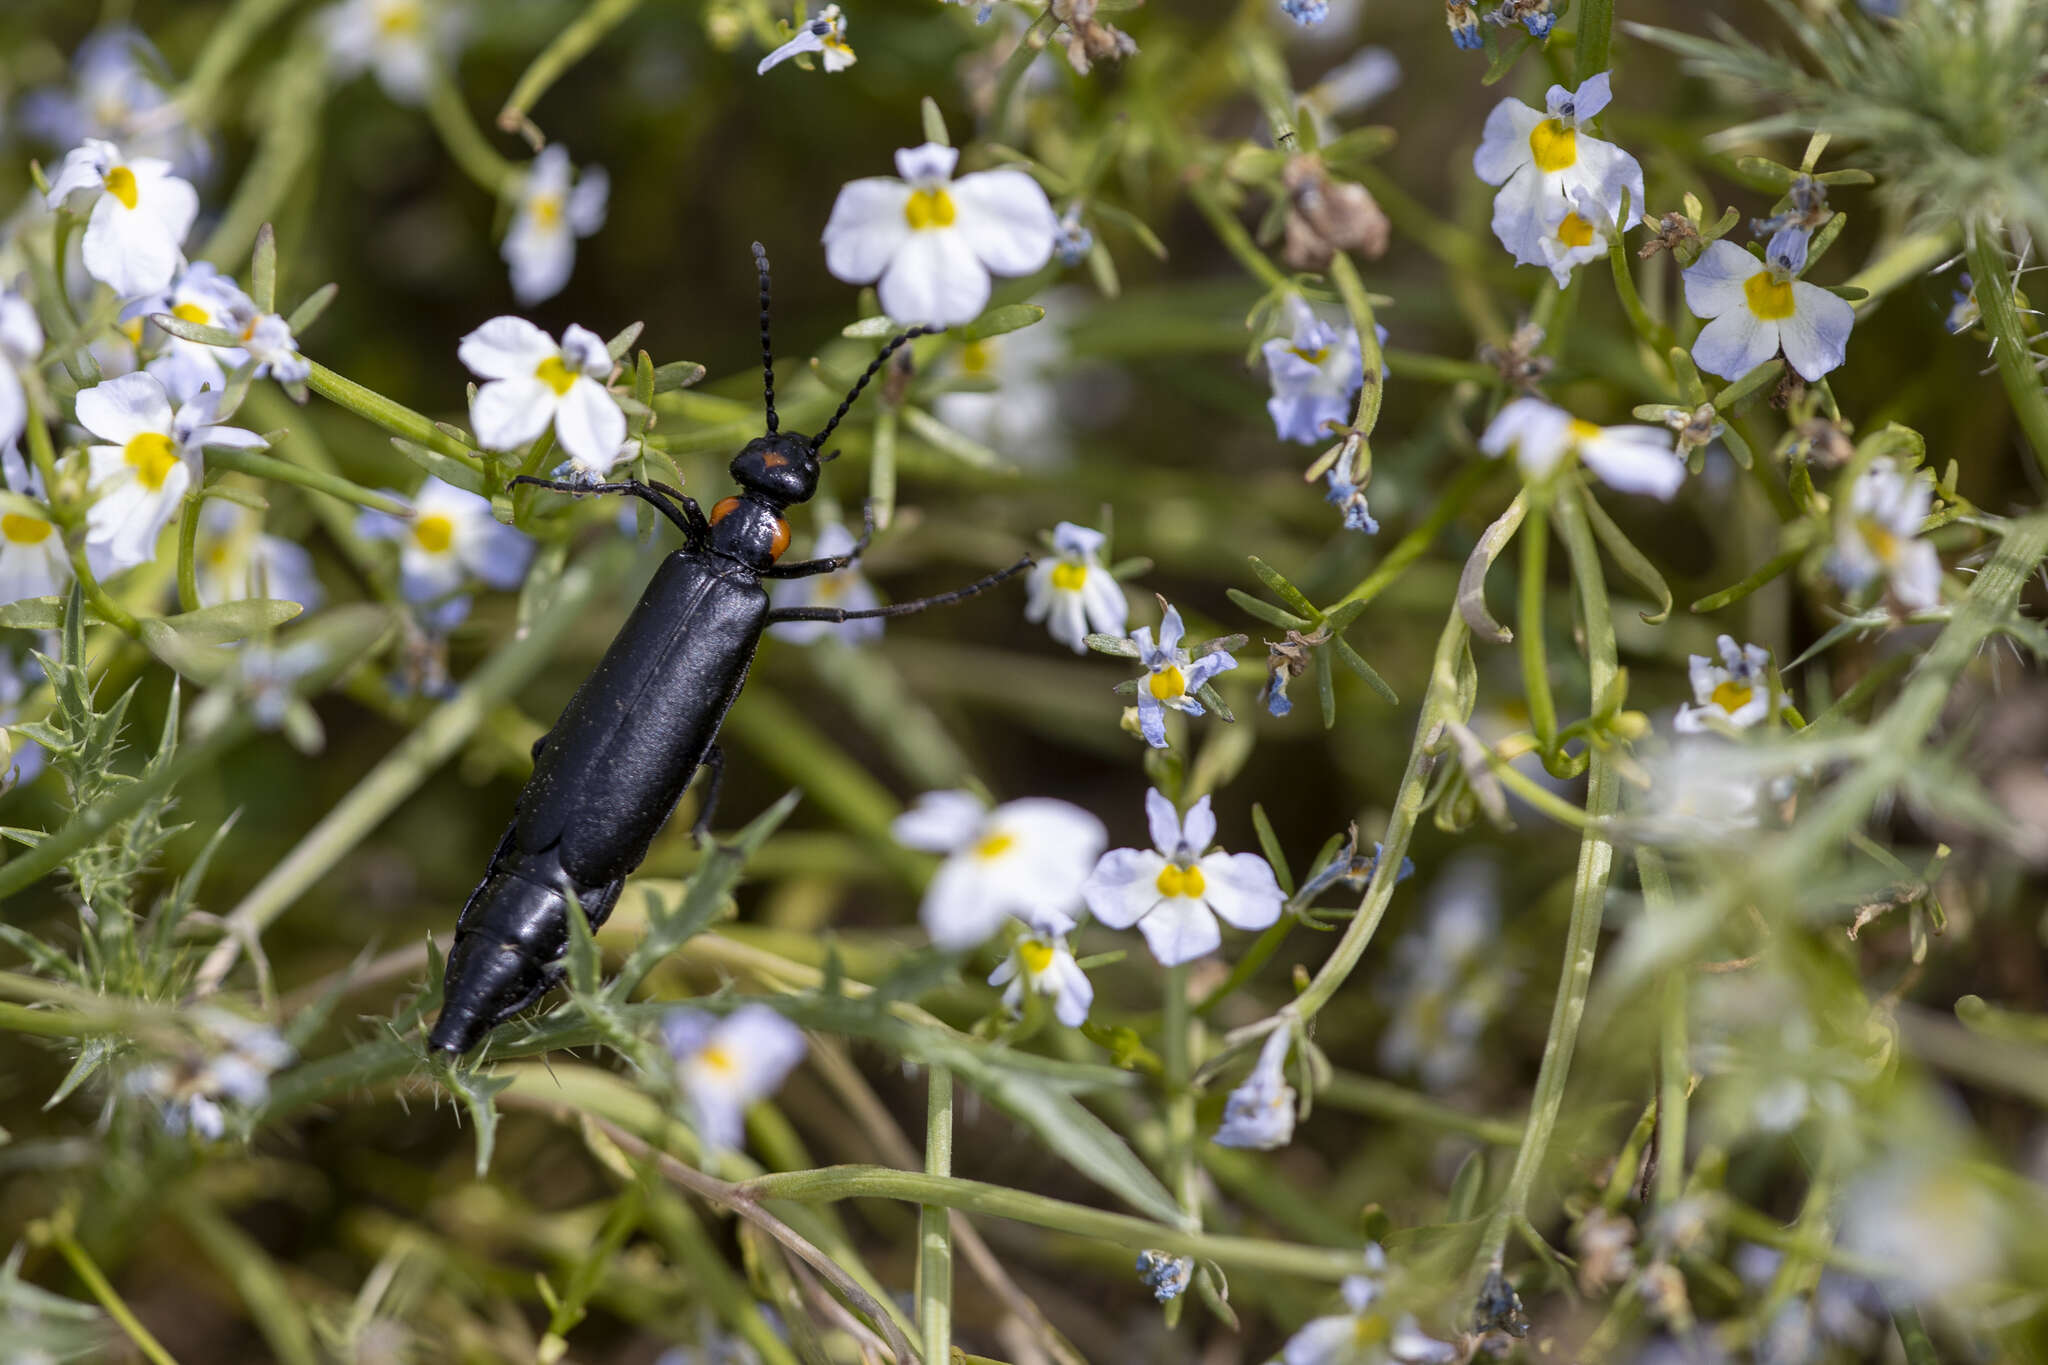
<point x="832" y="1183"/>
<point x="472" y="152"/>
<point x="1359" y="305"/>
<point x="188" y="551"/>
<point x="1232" y="234"/>
<point x="1589" y="894"/>
<point x="227" y="39"/>
<point x="318" y="481"/>
<point x="117" y="1308"/>
<point x="1176" y="1050"/>
<point x="935" y="1224"/>
<point x="567" y="48"/>
<point x="1385" y="1100"/>
<point x="1673" y="1063"/>
<point x="1529" y="622"/>
<point x="1447" y="507"/>
<point x="2010" y="347"/>
<point x="415" y="759"/>
<point x="394" y="417"/>
<point x="262" y="1287"/>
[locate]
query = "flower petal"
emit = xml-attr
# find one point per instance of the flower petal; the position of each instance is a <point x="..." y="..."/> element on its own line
<point x="935" y="278"/>
<point x="589" y="425"/>
<point x="506" y="348"/>
<point x="1635" y="459"/>
<point x="940" y="821"/>
<point x="1123" y="886"/>
<point x="867" y="228"/>
<point x="1504" y="144"/>
<point x="1714" y="283"/>
<point x="128" y="250"/>
<point x="1163" y="821"/>
<point x="507" y="413"/>
<point x="1242" y="889"/>
<point x="1525" y="203"/>
<point x="963" y="906"/>
<point x="120" y="409"/>
<point x="1816" y="336"/>
<point x="1007" y="220"/>
<point x="1180" y="930"/>
<point x="1735" y="343"/>
<point x="1198" y="831"/>
<point x="929" y="162"/>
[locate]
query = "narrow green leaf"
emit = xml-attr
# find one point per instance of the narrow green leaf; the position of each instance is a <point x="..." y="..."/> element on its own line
<point x="1266" y="611"/>
<point x="677" y="374"/>
<point x="1633" y="562"/>
<point x="1269" y="844"/>
<point x="934" y="122"/>
<point x="1355" y="661"/>
<point x="311" y="308"/>
<point x="1282" y="588"/>
<point x="995" y="322"/>
<point x="263" y="270"/>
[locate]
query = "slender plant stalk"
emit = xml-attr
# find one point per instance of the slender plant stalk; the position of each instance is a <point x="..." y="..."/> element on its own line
<point x="98" y="1286"/>
<point x="1529" y="623"/>
<point x="568" y="47"/>
<point x="1589" y="893"/>
<point x="935" y="1224"/>
<point x="2010" y="347"/>
<point x="1674" y="1066"/>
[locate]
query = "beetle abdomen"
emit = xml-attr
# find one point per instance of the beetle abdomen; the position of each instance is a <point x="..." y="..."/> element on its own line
<point x="629" y="741"/>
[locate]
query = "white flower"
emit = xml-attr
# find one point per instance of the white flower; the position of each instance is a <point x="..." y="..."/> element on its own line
<point x="189" y="1090"/>
<point x="1041" y="963"/>
<point x="1024" y="858"/>
<point x="1316" y="373"/>
<point x="531" y="381"/>
<point x="267" y="339"/>
<point x="1544" y="161"/>
<point x="1757" y="307"/>
<point x="932" y="241"/>
<point x="154" y="456"/>
<point x="235" y="560"/>
<point x="1023" y="415"/>
<point x="1447" y="980"/>
<point x="139" y="214"/>
<point x="548" y="217"/>
<point x="724" y="1065"/>
<point x="21" y="345"/>
<point x="203" y="296"/>
<point x="1365" y="1335"/>
<point x="1881" y="535"/>
<point x="401" y="39"/>
<point x="1735" y="692"/>
<point x="1174" y="893"/>
<point x="1575" y="233"/>
<point x="451" y="538"/>
<point x="1703" y="793"/>
<point x="1634" y="459"/>
<point x="1260" y="1112"/>
<point x="824" y="35"/>
<point x="1073" y="594"/>
<point x="1928" y="1217"/>
<point x="1171" y="677"/>
<point x="845" y="587"/>
<point x="33" y="562"/>
<point x="1359" y="80"/>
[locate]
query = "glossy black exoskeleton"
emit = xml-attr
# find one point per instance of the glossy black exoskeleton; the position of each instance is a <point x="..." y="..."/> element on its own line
<point x="609" y="774"/>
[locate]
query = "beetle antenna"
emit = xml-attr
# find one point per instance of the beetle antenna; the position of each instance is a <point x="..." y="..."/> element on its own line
<point x="767" y="347"/>
<point x="874" y="368"/>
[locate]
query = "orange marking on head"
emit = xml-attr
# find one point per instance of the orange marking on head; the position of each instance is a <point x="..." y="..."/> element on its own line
<point x="774" y="459"/>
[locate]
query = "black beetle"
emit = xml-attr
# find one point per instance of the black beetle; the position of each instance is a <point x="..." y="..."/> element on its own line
<point x="609" y="774"/>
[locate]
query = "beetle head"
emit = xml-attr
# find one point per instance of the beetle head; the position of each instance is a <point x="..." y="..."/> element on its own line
<point x="781" y="467"/>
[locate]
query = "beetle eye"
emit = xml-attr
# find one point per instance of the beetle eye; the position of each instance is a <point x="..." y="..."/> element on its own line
<point x="781" y="539"/>
<point x="723" y="510"/>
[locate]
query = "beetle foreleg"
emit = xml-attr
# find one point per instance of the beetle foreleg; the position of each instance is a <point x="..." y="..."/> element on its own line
<point x="677" y="506"/>
<point x="910" y="608"/>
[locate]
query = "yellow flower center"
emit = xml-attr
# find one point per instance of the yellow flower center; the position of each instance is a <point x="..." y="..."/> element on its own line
<point x="546" y="210"/>
<point x="21" y="530"/>
<point x="994" y="846"/>
<point x="1068" y="576"/>
<point x="716" y="1058"/>
<point x="1732" y="696"/>
<point x="397" y="21"/>
<point x="1882" y="542"/>
<point x="835" y="43"/>
<point x="132" y="329"/>
<point x="1035" y="956"/>
<point x="1168" y="683"/>
<point x="1314" y="357"/>
<point x="557" y="376"/>
<point x="1583" y="431"/>
<point x="928" y="209"/>
<point x="192" y="313"/>
<point x="1554" y="146"/>
<point x="1371" y="1329"/>
<point x="152" y="456"/>
<point x="1575" y="231"/>
<point x="975" y="356"/>
<point x="434" y="533"/>
<point x="1769" y="299"/>
<point x="1175" y="880"/>
<point x="121" y="184"/>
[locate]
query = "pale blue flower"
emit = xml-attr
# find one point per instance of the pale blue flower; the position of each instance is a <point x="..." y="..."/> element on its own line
<point x="1307" y="13"/>
<point x="1174" y="892"/>
<point x="1758" y="306"/>
<point x="1366" y="1335"/>
<point x="1316" y="373"/>
<point x="1634" y="459"/>
<point x="1350" y="498"/>
<point x="1165" y="1274"/>
<point x="1041" y="963"/>
<point x="236" y="560"/>
<point x="1545" y="160"/>
<point x="1463" y="22"/>
<point x="1171" y="676"/>
<point x="1259" y="1114"/>
<point x="451" y="540"/>
<point x="724" y="1065"/>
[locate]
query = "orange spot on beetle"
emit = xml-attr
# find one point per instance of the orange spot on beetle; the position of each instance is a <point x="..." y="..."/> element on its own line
<point x="781" y="542"/>
<point x="774" y="459"/>
<point x="724" y="509"/>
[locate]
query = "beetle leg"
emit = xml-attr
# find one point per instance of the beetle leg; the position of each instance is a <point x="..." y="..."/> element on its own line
<point x="700" y="828"/>
<point x="910" y="608"/>
<point x="805" y="568"/>
<point x="688" y="517"/>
